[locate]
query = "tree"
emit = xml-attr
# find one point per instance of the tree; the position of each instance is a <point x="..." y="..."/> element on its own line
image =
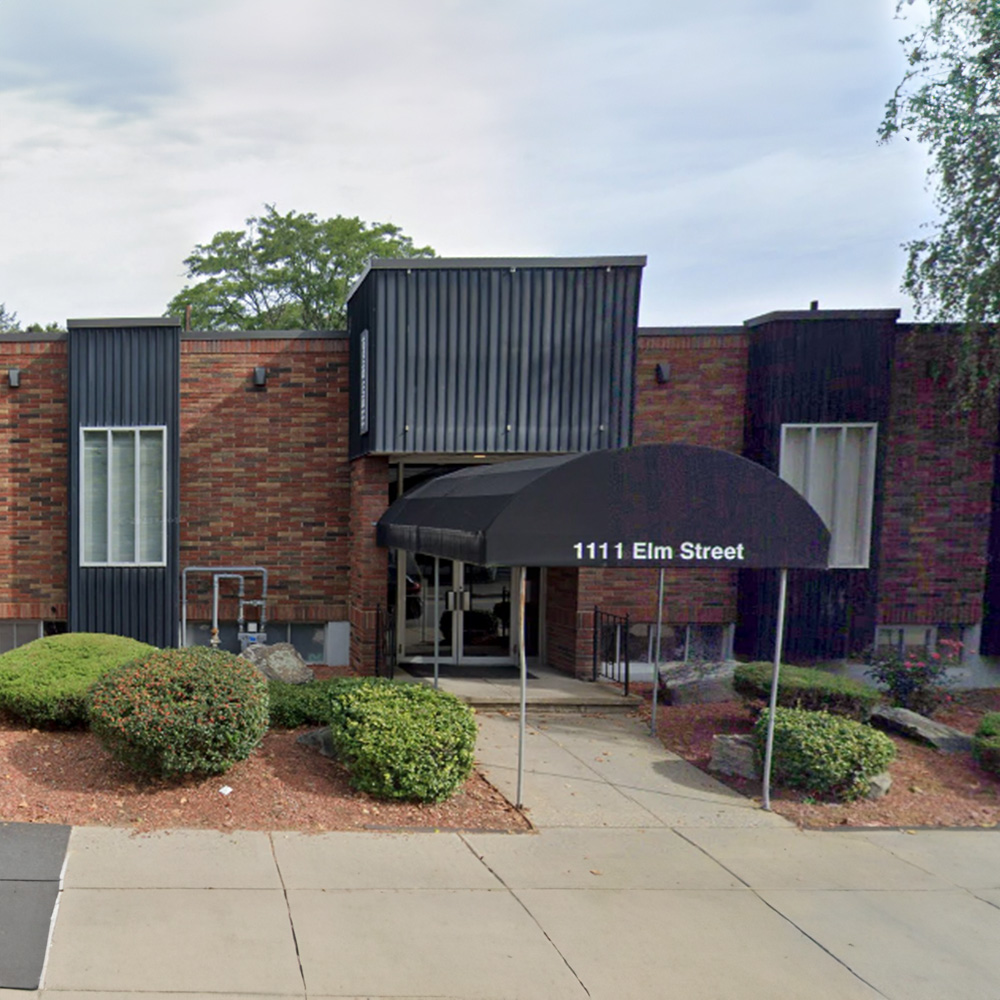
<point x="8" y="320"/>
<point x="284" y="272"/>
<point x="949" y="99"/>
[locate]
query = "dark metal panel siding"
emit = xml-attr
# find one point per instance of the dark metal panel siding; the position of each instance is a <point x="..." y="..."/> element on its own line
<point x="815" y="370"/>
<point x="124" y="377"/>
<point x="990" y="640"/>
<point x="496" y="359"/>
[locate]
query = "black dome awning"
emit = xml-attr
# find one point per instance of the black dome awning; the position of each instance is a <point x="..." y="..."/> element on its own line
<point x="653" y="505"/>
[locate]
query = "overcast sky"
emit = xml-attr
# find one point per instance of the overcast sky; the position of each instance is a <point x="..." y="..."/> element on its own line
<point x="733" y="142"/>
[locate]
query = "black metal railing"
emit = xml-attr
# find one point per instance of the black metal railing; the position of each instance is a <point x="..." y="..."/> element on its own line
<point x="611" y="647"/>
<point x="385" y="642"/>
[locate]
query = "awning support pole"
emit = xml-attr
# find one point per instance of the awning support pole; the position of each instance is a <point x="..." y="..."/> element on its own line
<point x="778" y="643"/>
<point x="437" y="619"/>
<point x="522" y="661"/>
<point x="656" y="666"/>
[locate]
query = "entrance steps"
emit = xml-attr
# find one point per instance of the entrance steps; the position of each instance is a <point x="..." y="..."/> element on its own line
<point x="548" y="690"/>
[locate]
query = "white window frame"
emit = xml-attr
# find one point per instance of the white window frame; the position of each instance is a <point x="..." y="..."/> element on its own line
<point x="864" y="528"/>
<point x="136" y="430"/>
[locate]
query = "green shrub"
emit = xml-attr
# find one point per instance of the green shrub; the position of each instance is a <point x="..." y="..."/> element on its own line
<point x="986" y="742"/>
<point x="45" y="682"/>
<point x="808" y="688"/>
<point x="403" y="741"/>
<point x="823" y="754"/>
<point x="295" y="705"/>
<point x="181" y="711"/>
<point x="917" y="680"/>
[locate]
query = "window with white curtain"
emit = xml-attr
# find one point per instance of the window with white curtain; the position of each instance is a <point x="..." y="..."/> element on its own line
<point x="833" y="467"/>
<point x="123" y="496"/>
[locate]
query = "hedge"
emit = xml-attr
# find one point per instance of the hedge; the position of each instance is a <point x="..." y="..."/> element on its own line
<point x="295" y="705"/>
<point x="403" y="741"/>
<point x="45" y="682"/>
<point x="823" y="754"/>
<point x="986" y="743"/>
<point x="181" y="711"/>
<point x="807" y="688"/>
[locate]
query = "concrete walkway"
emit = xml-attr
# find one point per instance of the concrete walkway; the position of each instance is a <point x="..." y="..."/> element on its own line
<point x="645" y="880"/>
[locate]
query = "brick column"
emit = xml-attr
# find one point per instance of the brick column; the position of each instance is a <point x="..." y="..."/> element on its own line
<point x="368" y="572"/>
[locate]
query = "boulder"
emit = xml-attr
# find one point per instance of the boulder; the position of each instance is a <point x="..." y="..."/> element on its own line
<point x="879" y="785"/>
<point x="734" y="755"/>
<point x="318" y="739"/>
<point x="918" y="727"/>
<point x="696" y="683"/>
<point x="280" y="662"/>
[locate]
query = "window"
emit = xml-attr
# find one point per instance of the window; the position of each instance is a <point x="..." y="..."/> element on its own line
<point x="123" y="496"/>
<point x="17" y="633"/>
<point x="833" y="467"/>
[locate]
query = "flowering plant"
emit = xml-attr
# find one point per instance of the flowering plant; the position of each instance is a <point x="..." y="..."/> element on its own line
<point x="916" y="680"/>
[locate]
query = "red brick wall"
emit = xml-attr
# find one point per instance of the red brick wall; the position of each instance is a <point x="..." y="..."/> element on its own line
<point x="34" y="473"/>
<point x="265" y="479"/>
<point x="938" y="474"/>
<point x="701" y="403"/>
<point x="368" y="576"/>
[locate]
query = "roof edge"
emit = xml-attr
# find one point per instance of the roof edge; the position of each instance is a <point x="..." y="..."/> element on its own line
<point x="691" y="331"/>
<point x="511" y="263"/>
<point x="794" y="315"/>
<point x="263" y="334"/>
<point x="121" y="323"/>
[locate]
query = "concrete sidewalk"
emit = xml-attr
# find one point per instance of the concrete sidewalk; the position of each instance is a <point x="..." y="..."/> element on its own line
<point x="646" y="879"/>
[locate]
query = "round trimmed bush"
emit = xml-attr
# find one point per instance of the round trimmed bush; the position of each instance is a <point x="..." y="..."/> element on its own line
<point x="823" y="754"/>
<point x="45" y="682"/>
<point x="986" y="743"/>
<point x="403" y="741"/>
<point x="181" y="711"/>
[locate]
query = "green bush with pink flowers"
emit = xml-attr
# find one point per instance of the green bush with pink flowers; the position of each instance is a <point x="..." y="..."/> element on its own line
<point x="917" y="680"/>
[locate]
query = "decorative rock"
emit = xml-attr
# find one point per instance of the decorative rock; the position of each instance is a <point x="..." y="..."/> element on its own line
<point x="734" y="755"/>
<point x="918" y="727"/>
<point x="280" y="662"/>
<point x="318" y="739"/>
<point x="879" y="785"/>
<point x="696" y="683"/>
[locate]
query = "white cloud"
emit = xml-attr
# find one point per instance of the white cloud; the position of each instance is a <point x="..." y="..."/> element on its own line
<point x="731" y="141"/>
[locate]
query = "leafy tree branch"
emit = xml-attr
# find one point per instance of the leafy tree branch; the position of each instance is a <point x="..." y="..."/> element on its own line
<point x="949" y="100"/>
<point x="291" y="271"/>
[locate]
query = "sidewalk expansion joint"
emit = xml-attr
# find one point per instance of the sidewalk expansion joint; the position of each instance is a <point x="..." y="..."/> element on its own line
<point x="288" y="910"/>
<point x="785" y="917"/>
<point x="482" y="860"/>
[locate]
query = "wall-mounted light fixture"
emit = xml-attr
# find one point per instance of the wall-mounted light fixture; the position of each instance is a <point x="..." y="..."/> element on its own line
<point x="662" y="373"/>
<point x="260" y="377"/>
<point x="14" y="378"/>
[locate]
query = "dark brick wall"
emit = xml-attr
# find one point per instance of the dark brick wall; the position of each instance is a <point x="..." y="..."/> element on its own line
<point x="936" y="504"/>
<point x="34" y="475"/>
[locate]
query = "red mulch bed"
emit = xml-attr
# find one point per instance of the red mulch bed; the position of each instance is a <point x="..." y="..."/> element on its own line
<point x="53" y="776"/>
<point x="929" y="787"/>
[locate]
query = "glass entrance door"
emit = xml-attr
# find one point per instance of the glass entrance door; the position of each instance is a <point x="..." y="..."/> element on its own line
<point x="473" y="620"/>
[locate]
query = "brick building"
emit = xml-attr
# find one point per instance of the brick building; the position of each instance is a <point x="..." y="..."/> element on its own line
<point x="133" y="451"/>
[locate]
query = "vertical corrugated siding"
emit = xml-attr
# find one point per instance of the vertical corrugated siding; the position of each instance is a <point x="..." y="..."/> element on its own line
<point x="484" y="359"/>
<point x="989" y="644"/>
<point x="126" y="377"/>
<point x="815" y="371"/>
